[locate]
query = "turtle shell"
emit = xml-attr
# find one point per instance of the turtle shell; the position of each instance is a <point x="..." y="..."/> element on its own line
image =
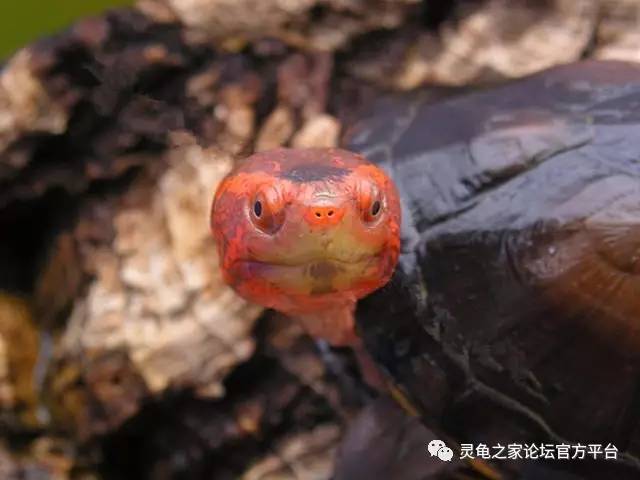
<point x="514" y="313"/>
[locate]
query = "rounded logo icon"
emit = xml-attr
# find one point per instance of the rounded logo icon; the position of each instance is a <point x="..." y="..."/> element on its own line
<point x="434" y="446"/>
<point x="445" y="454"/>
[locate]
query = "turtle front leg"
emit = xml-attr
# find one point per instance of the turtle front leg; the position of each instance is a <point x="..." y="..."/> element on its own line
<point x="371" y="373"/>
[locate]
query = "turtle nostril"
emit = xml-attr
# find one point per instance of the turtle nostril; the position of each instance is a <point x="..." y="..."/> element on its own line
<point x="324" y="215"/>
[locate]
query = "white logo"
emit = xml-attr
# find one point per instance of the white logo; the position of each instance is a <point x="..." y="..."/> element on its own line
<point x="445" y="454"/>
<point x="437" y="448"/>
<point x="533" y="451"/>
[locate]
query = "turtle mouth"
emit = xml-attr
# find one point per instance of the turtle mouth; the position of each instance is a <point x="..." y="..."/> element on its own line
<point x="311" y="261"/>
<point x="316" y="276"/>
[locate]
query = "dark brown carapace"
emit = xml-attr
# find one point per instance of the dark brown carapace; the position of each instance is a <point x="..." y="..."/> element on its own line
<point x="307" y="232"/>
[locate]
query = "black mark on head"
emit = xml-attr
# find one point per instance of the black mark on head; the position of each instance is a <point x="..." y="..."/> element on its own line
<point x="314" y="173"/>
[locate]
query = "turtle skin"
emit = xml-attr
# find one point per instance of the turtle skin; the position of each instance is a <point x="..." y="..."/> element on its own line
<point x="514" y="313"/>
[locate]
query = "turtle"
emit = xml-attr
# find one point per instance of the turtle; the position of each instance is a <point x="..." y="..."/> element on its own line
<point x="512" y="316"/>
<point x="514" y="312"/>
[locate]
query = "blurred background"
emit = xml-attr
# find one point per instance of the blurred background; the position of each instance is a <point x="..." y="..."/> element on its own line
<point x="25" y="21"/>
<point x="122" y="354"/>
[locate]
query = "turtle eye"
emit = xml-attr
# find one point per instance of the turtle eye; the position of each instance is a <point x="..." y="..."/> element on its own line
<point x="375" y="208"/>
<point x="257" y="208"/>
<point x="371" y="205"/>
<point x="266" y="212"/>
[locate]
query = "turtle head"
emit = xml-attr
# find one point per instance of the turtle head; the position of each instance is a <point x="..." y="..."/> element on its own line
<point x="301" y="230"/>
